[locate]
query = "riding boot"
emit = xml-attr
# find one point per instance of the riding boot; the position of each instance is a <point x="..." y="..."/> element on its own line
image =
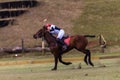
<point x="63" y="43"/>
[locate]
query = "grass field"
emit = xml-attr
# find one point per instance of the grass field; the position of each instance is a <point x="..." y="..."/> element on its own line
<point x="105" y="69"/>
<point x="43" y="71"/>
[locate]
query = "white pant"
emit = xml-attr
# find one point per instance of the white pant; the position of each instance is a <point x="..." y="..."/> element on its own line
<point x="61" y="34"/>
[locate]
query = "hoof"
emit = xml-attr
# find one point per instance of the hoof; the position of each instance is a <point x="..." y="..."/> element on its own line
<point x="68" y="63"/>
<point x="92" y="64"/>
<point x="54" y="69"/>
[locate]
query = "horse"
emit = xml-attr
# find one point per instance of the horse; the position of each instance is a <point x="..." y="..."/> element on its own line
<point x="78" y="42"/>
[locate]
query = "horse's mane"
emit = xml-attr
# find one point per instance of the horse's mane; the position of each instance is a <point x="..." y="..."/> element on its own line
<point x="50" y="34"/>
<point x="47" y="32"/>
<point x="50" y="38"/>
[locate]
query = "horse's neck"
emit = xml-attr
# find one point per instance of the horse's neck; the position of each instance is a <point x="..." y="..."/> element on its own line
<point x="49" y="38"/>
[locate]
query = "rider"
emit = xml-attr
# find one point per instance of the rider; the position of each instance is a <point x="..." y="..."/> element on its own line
<point x="53" y="29"/>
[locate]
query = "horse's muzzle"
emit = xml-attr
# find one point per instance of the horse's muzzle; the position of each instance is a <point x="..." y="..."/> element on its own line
<point x="34" y="36"/>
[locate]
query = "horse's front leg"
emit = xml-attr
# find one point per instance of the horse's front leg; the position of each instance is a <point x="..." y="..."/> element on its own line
<point x="56" y="62"/>
<point x="65" y="63"/>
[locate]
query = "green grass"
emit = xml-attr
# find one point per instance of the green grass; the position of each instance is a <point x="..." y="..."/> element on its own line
<point x="100" y="17"/>
<point x="43" y="72"/>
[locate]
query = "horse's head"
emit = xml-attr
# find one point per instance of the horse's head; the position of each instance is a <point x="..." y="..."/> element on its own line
<point x="40" y="33"/>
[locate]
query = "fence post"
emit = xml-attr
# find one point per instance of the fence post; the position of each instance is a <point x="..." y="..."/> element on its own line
<point x="43" y="45"/>
<point x="22" y="41"/>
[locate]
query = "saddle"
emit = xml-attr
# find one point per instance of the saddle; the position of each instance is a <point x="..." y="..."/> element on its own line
<point x="66" y="39"/>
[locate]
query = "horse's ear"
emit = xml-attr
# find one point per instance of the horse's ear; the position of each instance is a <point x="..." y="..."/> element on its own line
<point x="44" y="27"/>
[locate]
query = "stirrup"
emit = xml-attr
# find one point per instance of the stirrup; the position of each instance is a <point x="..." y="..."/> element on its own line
<point x="64" y="47"/>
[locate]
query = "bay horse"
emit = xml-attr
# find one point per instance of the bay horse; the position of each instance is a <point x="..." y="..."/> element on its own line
<point x="77" y="42"/>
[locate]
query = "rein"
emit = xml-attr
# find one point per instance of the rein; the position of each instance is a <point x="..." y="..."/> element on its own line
<point x="49" y="38"/>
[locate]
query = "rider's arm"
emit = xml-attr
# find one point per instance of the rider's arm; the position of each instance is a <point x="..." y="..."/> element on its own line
<point x="53" y="27"/>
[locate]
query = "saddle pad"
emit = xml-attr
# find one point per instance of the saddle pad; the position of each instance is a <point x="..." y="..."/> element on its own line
<point x="67" y="41"/>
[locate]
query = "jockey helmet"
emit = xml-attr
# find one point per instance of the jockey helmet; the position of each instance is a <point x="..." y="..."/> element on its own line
<point x="48" y="25"/>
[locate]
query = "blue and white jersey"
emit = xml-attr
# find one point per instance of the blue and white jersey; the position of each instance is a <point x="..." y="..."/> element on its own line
<point x="54" y="29"/>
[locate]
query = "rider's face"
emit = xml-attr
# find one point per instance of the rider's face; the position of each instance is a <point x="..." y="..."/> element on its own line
<point x="48" y="28"/>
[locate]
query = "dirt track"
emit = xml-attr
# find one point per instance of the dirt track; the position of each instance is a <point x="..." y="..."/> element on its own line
<point x="39" y="61"/>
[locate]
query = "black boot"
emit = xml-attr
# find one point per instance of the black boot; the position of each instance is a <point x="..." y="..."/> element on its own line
<point x="63" y="43"/>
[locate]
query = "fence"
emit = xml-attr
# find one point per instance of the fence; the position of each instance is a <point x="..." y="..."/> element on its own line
<point x="43" y="49"/>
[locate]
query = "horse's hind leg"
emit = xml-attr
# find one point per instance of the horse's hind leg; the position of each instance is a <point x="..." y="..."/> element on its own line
<point x="65" y="63"/>
<point x="87" y="57"/>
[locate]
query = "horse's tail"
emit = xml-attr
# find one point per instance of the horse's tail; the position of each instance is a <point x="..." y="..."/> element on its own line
<point x="92" y="36"/>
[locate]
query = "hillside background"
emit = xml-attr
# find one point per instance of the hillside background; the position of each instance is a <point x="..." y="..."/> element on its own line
<point x="57" y="12"/>
<point x="75" y="16"/>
